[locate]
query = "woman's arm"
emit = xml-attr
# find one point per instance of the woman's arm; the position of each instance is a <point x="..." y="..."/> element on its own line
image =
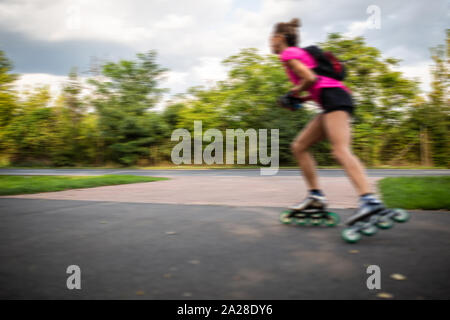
<point x="307" y="75"/>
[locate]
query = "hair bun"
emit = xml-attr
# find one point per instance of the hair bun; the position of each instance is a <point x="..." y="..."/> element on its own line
<point x="295" y="22"/>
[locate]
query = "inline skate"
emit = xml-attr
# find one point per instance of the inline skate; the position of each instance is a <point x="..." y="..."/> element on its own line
<point x="370" y="217"/>
<point x="311" y="211"/>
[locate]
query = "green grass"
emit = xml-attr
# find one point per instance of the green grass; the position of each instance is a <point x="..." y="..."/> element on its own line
<point x="10" y="185"/>
<point x="204" y="167"/>
<point x="429" y="193"/>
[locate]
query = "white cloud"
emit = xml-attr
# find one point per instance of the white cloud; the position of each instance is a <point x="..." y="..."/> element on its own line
<point x="122" y="21"/>
<point x="356" y="29"/>
<point x="173" y="21"/>
<point x="193" y="37"/>
<point x="29" y="81"/>
<point x="209" y="69"/>
<point x="419" y="71"/>
<point x="174" y="78"/>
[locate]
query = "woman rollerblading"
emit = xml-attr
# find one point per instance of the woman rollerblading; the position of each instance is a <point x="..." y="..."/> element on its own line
<point x="321" y="74"/>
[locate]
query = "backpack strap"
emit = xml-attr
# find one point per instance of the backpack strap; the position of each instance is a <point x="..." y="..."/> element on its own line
<point x="327" y="64"/>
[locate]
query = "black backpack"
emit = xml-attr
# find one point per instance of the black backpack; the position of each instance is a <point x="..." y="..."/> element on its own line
<point x="327" y="64"/>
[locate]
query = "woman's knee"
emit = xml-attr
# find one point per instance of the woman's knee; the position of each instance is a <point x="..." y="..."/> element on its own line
<point x="298" y="147"/>
<point x="341" y="153"/>
<point x="294" y="147"/>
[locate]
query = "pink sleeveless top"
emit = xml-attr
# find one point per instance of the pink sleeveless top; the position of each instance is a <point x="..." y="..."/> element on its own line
<point x="305" y="58"/>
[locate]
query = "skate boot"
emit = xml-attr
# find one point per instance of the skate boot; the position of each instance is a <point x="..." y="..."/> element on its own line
<point x="370" y="215"/>
<point x="311" y="211"/>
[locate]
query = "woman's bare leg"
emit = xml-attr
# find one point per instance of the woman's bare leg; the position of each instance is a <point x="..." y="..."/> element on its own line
<point x="314" y="132"/>
<point x="337" y="127"/>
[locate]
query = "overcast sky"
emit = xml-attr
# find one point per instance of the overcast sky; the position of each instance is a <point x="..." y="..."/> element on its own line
<point x="45" y="38"/>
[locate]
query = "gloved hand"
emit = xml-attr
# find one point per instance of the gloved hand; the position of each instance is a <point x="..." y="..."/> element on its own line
<point x="290" y="102"/>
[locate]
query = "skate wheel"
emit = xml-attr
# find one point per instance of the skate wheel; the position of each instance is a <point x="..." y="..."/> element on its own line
<point x="284" y="217"/>
<point x="401" y="215"/>
<point x="385" y="223"/>
<point x="331" y="220"/>
<point x="369" y="231"/>
<point x="302" y="221"/>
<point x="350" y="235"/>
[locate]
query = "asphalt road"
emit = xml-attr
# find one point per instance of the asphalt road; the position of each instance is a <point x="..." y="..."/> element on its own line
<point x="219" y="172"/>
<point x="159" y="251"/>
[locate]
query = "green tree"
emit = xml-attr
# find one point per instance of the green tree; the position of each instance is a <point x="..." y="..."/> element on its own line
<point x="431" y="119"/>
<point x="89" y="140"/>
<point x="122" y="101"/>
<point x="30" y="134"/>
<point x="8" y="99"/>
<point x="437" y="114"/>
<point x="69" y="111"/>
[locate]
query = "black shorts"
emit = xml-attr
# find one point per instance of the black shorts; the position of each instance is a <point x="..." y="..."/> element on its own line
<point x="333" y="99"/>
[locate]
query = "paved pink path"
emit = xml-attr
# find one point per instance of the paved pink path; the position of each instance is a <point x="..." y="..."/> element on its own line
<point x="229" y="190"/>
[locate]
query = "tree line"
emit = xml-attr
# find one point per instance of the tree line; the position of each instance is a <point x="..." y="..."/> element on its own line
<point x="395" y="123"/>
